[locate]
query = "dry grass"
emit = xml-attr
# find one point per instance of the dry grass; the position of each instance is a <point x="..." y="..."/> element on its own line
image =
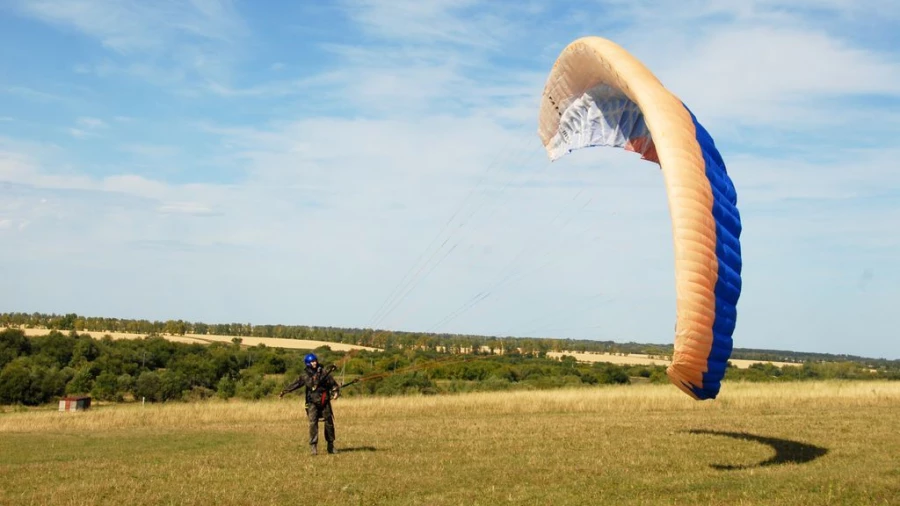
<point x="271" y="342"/>
<point x="626" y="359"/>
<point x="640" y="359"/>
<point x="300" y="344"/>
<point x="609" y="445"/>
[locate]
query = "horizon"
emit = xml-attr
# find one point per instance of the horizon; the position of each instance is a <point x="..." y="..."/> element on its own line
<point x="210" y="329"/>
<point x="224" y="161"/>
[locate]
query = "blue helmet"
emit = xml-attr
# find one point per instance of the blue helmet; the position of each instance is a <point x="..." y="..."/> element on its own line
<point x="309" y="358"/>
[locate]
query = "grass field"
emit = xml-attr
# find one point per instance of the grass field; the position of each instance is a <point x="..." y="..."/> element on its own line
<point x="797" y="443"/>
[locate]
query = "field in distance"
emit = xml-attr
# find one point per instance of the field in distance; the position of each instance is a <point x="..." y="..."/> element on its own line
<point x="300" y="344"/>
<point x="640" y="359"/>
<point x="271" y="342"/>
<point x="799" y="443"/>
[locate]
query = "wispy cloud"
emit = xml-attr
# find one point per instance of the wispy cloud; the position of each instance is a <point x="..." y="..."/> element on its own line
<point x="87" y="127"/>
<point x="132" y="26"/>
<point x="80" y="134"/>
<point x="191" y="208"/>
<point x="163" y="41"/>
<point x="33" y="94"/>
<point x="758" y="62"/>
<point x="758" y="74"/>
<point x="856" y="173"/>
<point x="151" y="150"/>
<point x="458" y="22"/>
<point x="93" y="123"/>
<point x="348" y="153"/>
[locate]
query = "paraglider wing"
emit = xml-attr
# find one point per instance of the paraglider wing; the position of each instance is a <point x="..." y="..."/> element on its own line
<point x="597" y="94"/>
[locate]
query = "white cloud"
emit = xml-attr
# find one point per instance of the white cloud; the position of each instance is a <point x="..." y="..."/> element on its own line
<point x="80" y="134"/>
<point x="166" y="42"/>
<point x="883" y="9"/>
<point x="849" y="174"/>
<point x="33" y="94"/>
<point x="756" y="63"/>
<point x="778" y="77"/>
<point x="275" y="88"/>
<point x="133" y="26"/>
<point x="313" y="194"/>
<point x="92" y="123"/>
<point x="191" y="208"/>
<point x="87" y="127"/>
<point x="433" y="22"/>
<point x="151" y="150"/>
<point x="331" y="209"/>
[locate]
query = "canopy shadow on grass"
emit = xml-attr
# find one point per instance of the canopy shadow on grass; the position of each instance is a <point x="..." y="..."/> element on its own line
<point x="786" y="451"/>
<point x="357" y="449"/>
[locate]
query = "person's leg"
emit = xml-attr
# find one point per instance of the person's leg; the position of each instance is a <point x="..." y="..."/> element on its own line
<point x="328" y="414"/>
<point x="312" y="413"/>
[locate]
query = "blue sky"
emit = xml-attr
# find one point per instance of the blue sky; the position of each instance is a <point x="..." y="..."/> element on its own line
<point x="290" y="162"/>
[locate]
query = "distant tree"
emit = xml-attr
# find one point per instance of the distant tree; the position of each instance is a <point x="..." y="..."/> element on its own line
<point x="82" y="382"/>
<point x="146" y="386"/>
<point x="13" y="343"/>
<point x="125" y="383"/>
<point x="226" y="388"/>
<point x="15" y="383"/>
<point x="52" y="384"/>
<point x="175" y="327"/>
<point x="84" y="350"/>
<point x="66" y="322"/>
<point x="106" y="387"/>
<point x="172" y="385"/>
<point x="56" y="346"/>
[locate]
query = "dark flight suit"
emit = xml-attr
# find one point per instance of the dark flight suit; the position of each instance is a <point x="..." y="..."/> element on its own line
<point x="319" y="392"/>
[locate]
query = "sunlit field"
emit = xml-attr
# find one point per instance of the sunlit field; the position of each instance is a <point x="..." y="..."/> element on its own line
<point x="272" y="342"/>
<point x="641" y="359"/>
<point x="302" y="344"/>
<point x="794" y="443"/>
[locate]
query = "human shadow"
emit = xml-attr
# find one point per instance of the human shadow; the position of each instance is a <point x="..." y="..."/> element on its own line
<point x="786" y="451"/>
<point x="357" y="449"/>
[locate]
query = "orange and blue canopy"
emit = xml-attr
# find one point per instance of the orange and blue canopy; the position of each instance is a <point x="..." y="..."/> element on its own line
<point x="597" y="94"/>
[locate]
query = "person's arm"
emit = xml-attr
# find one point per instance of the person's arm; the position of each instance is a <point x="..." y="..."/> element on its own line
<point x="333" y="386"/>
<point x="293" y="386"/>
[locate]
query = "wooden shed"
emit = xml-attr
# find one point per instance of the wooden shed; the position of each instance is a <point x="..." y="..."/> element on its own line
<point x="75" y="403"/>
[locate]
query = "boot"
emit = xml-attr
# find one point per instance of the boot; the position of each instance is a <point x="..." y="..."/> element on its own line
<point x="314" y="450"/>
<point x="331" y="447"/>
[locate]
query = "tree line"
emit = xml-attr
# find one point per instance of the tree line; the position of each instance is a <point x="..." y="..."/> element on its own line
<point x="41" y="369"/>
<point x="388" y="340"/>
